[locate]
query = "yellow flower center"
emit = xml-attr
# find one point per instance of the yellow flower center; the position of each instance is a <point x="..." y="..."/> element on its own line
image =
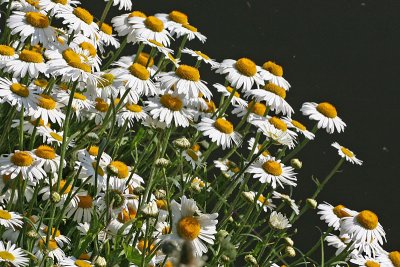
<point x="166" y="231"/>
<point x="232" y="166"/>
<point x="263" y="200"/>
<point x="137" y="14"/>
<point x="107" y="29"/>
<point x="198" y="181"/>
<point x="170" y="102"/>
<point x="40" y="82"/>
<point x="273" y="88"/>
<point x="22" y="159"/>
<point x="51" y="246"/>
<point x="126" y="215"/>
<point x="107" y="79"/>
<point x="274" y="68"/>
<point x="99" y="169"/>
<point x="272" y="167"/>
<point x="154" y="24"/>
<point x="37" y="48"/>
<point x="139" y="71"/>
<point x="33" y="2"/>
<point x="347" y="152"/>
<point x="6" y="50"/>
<point x="41" y="122"/>
<point x="145" y="245"/>
<point x="190" y="28"/>
<point x="196" y="147"/>
<point x="46" y="102"/>
<point x="93" y="150"/>
<point x="299" y="125"/>
<point x="178" y="17"/>
<point x="156" y="43"/>
<point x="327" y="109"/>
<point x="7" y="256"/>
<point x="83" y="15"/>
<point x="278" y="123"/>
<point x="79" y="96"/>
<point x="85" y="202"/>
<point x="84" y="256"/>
<point x="372" y="264"/>
<point x="340" y="212"/>
<point x="202" y="55"/>
<point x="258" y="108"/>
<point x="56" y="136"/>
<point x="30" y="56"/>
<point x="89" y="47"/>
<point x="45" y="152"/>
<point x="169" y="264"/>
<point x="79" y="65"/>
<point x="142" y="59"/>
<point x="246" y="67"/>
<point x="133" y="107"/>
<point x="162" y="204"/>
<point x="58" y="233"/>
<point x="101" y="105"/>
<point x="230" y="90"/>
<point x="394" y="256"/>
<point x="188" y="228"/>
<point x="37" y="20"/>
<point x="63" y="187"/>
<point x="367" y="219"/>
<point x="70" y="55"/>
<point x="82" y="263"/>
<point x="5" y="215"/>
<point x="211" y="107"/>
<point x="188" y="73"/>
<point x="265" y="152"/>
<point x="223" y="126"/>
<point x="192" y="154"/>
<point x="62" y="2"/>
<point x="123" y="170"/>
<point x="19" y="89"/>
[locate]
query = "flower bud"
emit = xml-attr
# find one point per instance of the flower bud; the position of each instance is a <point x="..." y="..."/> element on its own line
<point x="32" y="234"/>
<point x="248" y="196"/>
<point x="222" y="234"/>
<point x="225" y="258"/>
<point x="138" y="190"/>
<point x="150" y="209"/>
<point x="181" y="143"/>
<point x="92" y="138"/>
<point x="290" y="251"/>
<point x="289" y="241"/>
<point x="296" y="163"/>
<point x="251" y="260"/>
<point x="162" y="162"/>
<point x="312" y="203"/>
<point x="100" y="262"/>
<point x="160" y="194"/>
<point x="55" y="197"/>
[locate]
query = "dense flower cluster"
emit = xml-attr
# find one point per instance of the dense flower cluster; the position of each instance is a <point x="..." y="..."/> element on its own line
<point x="111" y="160"/>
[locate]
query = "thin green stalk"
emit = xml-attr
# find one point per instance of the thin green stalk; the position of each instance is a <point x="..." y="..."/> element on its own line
<point x="21" y="128"/>
<point x="116" y="54"/>
<point x="105" y="12"/>
<point x="299" y="147"/>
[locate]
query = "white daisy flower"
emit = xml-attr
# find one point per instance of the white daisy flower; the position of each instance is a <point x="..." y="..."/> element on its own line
<point x="61" y="240"/>
<point x="227" y="90"/>
<point x="119" y="170"/>
<point x="174" y="19"/>
<point x="361" y="260"/>
<point x="390" y="259"/>
<point x="123" y="27"/>
<point x="105" y="87"/>
<point x="220" y="131"/>
<point x="159" y="46"/>
<point x="189" y="224"/>
<point x="54" y="7"/>
<point x="272" y="171"/>
<point x="33" y="25"/>
<point x="132" y="113"/>
<point x="10" y="219"/>
<point x="79" y="20"/>
<point x="185" y="81"/>
<point x="122" y="4"/>
<point x="47" y="158"/>
<point x="48" y="110"/>
<point x="278" y="221"/>
<point x="64" y="191"/>
<point x="363" y="227"/>
<point x="257" y="110"/>
<point x="241" y="74"/>
<point x="288" y="200"/>
<point x="229" y="168"/>
<point x="326" y="115"/>
<point x="262" y="201"/>
<point x="73" y="262"/>
<point x="169" y="109"/>
<point x="28" y="63"/>
<point x="347" y="154"/>
<point x="52" y="249"/>
<point x="193" y="155"/>
<point x="52" y="137"/>
<point x="24" y="163"/>
<point x="11" y="254"/>
<point x="107" y="37"/>
<point x="190" y="31"/>
<point x="99" y="112"/>
<point x="18" y="94"/>
<point x="332" y="215"/>
<point x="115" y="197"/>
<point x="273" y="73"/>
<point x="83" y="211"/>
<point x="341" y="243"/>
<point x="200" y="56"/>
<point x="278" y="135"/>
<point x="150" y="28"/>
<point x="257" y="148"/>
<point x="80" y="102"/>
<point x="299" y="127"/>
<point x="7" y="53"/>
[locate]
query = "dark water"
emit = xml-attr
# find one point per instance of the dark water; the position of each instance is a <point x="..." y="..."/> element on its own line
<point x="344" y="52"/>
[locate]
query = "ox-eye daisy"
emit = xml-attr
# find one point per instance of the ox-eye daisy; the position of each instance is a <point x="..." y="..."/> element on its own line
<point x="48" y="110"/>
<point x="28" y="63"/>
<point x="272" y="171"/>
<point x="64" y="191"/>
<point x="80" y="20"/>
<point x="169" y="109"/>
<point x="82" y="211"/>
<point x="190" y="31"/>
<point x="189" y="224"/>
<point x="347" y="154"/>
<point x="150" y="28"/>
<point x="174" y="19"/>
<point x="299" y="127"/>
<point x="228" y="168"/>
<point x="193" y="155"/>
<point x="274" y="134"/>
<point x="262" y="201"/>
<point x="273" y="72"/>
<point x="241" y="73"/>
<point x="256" y="148"/>
<point x="278" y="221"/>
<point x="332" y="215"/>
<point x="47" y="158"/>
<point x="326" y="115"/>
<point x="52" y="7"/>
<point x="361" y="260"/>
<point x="200" y="56"/>
<point x="73" y="262"/>
<point x="341" y="243"/>
<point x="107" y="37"/>
<point x="11" y="254"/>
<point x="7" y="53"/>
<point x="52" y="250"/>
<point x="122" y="4"/>
<point x="17" y="94"/>
<point x="10" y="219"/>
<point x="123" y="27"/>
<point x="227" y="91"/>
<point x="390" y="259"/>
<point x="288" y="200"/>
<point x="131" y="113"/>
<point x="220" y="131"/>
<point x="159" y="46"/>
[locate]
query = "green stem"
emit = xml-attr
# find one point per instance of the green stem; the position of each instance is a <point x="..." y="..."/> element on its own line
<point x="116" y="54"/>
<point x="299" y="147"/>
<point x="21" y="128"/>
<point x="105" y="12"/>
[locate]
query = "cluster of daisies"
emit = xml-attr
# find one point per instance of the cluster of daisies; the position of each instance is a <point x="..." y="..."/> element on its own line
<point x="115" y="159"/>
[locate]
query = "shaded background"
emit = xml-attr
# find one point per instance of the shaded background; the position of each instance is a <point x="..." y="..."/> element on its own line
<point x="343" y="51"/>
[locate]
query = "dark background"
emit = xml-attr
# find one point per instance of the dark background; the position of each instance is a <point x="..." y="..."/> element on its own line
<point x="342" y="51"/>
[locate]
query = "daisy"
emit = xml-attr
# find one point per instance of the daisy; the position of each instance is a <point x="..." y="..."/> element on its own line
<point x="257" y="148"/>
<point x="87" y="51"/>
<point x="48" y="110"/>
<point x="220" y="131"/>
<point x="61" y="240"/>
<point x="193" y="155"/>
<point x="7" y="53"/>
<point x="169" y="108"/>
<point x="52" y="249"/>
<point x="131" y="113"/>
<point x="11" y="254"/>
<point x="272" y="171"/>
<point x="107" y="37"/>
<point x="28" y="63"/>
<point x="33" y="25"/>
<point x="73" y="262"/>
<point x="299" y="127"/>
<point x="189" y="31"/>
<point x="47" y="158"/>
<point x="80" y="102"/>
<point x="83" y="211"/>
<point x="64" y="192"/>
<point x="326" y="115"/>
<point x="288" y="200"/>
<point x="18" y="94"/>
<point x="341" y="243"/>
<point x="174" y="19"/>
<point x="30" y="125"/>
<point x="273" y="73"/>
<point x="332" y="215"/>
<point x="100" y="110"/>
<point x="274" y="96"/>
<point x="150" y="28"/>
<point x="189" y="224"/>
<point x="262" y="201"/>
<point x="54" y="7"/>
<point x="391" y="259"/>
<point x="228" y="168"/>
<point x="347" y="154"/>
<point x="278" y="221"/>
<point x="115" y="198"/>
<point x="360" y="260"/>
<point x="200" y="56"/>
<point x="186" y="81"/>
<point x="123" y="27"/>
<point x="241" y="74"/>
<point x="363" y="227"/>
<point x="79" y="20"/>
<point x="277" y="135"/>
<point x="119" y="170"/>
<point x="227" y="91"/>
<point x="256" y="110"/>
<point x="10" y="219"/>
<point x="24" y="163"/>
<point x="123" y="4"/>
<point x="51" y="136"/>
<point x="105" y="87"/>
<point x="159" y="46"/>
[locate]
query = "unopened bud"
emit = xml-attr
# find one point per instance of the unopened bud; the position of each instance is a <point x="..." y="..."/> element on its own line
<point x="251" y="260"/>
<point x="289" y="241"/>
<point x="181" y="143"/>
<point x="222" y="234"/>
<point x="100" y="262"/>
<point x="150" y="209"/>
<point x="92" y="138"/>
<point x="230" y="219"/>
<point x="296" y="163"/>
<point x="162" y="162"/>
<point x="160" y="194"/>
<point x="32" y="234"/>
<point x="290" y="251"/>
<point x="312" y="203"/>
<point x="138" y="190"/>
<point x="225" y="258"/>
<point x="249" y="196"/>
<point x="55" y="197"/>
